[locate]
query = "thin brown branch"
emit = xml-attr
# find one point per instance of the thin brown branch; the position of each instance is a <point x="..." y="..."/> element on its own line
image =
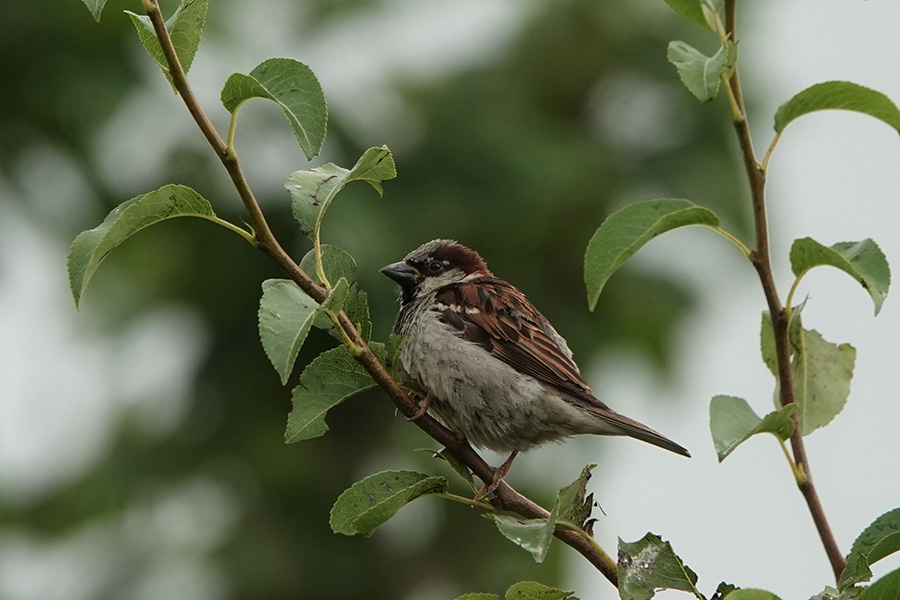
<point x="505" y="497"/>
<point x="762" y="262"/>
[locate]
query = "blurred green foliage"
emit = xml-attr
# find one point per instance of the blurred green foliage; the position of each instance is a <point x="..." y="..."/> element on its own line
<point x="520" y="157"/>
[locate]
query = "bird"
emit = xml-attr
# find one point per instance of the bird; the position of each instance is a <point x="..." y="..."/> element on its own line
<point x="490" y="363"/>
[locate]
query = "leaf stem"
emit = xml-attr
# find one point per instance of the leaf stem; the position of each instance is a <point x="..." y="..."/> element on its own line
<point x="765" y="163"/>
<point x="232" y="127"/>
<point x="788" y="309"/>
<point x="570" y="526"/>
<point x="467" y="501"/>
<point x="231" y="226"/>
<point x="734" y="240"/>
<point x="505" y="497"/>
<point x="756" y="176"/>
<point x="799" y="475"/>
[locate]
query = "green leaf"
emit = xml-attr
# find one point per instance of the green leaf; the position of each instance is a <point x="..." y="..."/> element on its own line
<point x="856" y="571"/>
<point x="527" y="533"/>
<point x="699" y="73"/>
<point x="821" y="372"/>
<point x="648" y="564"/>
<point x="286" y="315"/>
<point x="337" y="296"/>
<point x="863" y="261"/>
<point x="532" y="590"/>
<point x="394" y="360"/>
<point x="624" y="232"/>
<point x="96" y="7"/>
<point x="312" y="191"/>
<point x="732" y="422"/>
<point x="535" y="535"/>
<point x="723" y="589"/>
<point x="337" y="264"/>
<point x="751" y="594"/>
<point x="92" y="246"/>
<point x="327" y="381"/>
<point x="575" y="505"/>
<point x="369" y="503"/>
<point x="879" y="539"/>
<point x="294" y="88"/>
<point x="185" y="28"/>
<point x="886" y="588"/>
<point x="458" y="467"/>
<point x="697" y="12"/>
<point x="841" y="95"/>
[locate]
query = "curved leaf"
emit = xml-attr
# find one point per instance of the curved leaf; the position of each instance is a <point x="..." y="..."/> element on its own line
<point x="337" y="264"/>
<point x="649" y="564"/>
<point x="879" y="539"/>
<point x="312" y="191"/>
<point x="535" y="535"/>
<point x="886" y="588"/>
<point x="326" y="382"/>
<point x="185" y="28"/>
<point x="369" y="503"/>
<point x="732" y="422"/>
<point x="624" y="232"/>
<point x="92" y="246"/>
<point x="822" y="372"/>
<point x="96" y="7"/>
<point x="286" y="315"/>
<point x="840" y="95"/>
<point x="863" y="261"/>
<point x="699" y="73"/>
<point x="294" y="87"/>
<point x="698" y="12"/>
<point x="532" y="590"/>
<point x="751" y="594"/>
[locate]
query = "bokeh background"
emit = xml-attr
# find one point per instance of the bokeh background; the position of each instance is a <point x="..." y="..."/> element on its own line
<point x="141" y="451"/>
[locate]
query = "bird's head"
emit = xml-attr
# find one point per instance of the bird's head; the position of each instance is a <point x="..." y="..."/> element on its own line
<point x="433" y="265"/>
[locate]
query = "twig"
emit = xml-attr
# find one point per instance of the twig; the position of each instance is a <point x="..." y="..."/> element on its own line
<point x="505" y="497"/>
<point x="780" y="318"/>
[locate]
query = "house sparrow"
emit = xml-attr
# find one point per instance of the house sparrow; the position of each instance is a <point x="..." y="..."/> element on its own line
<point x="490" y="362"/>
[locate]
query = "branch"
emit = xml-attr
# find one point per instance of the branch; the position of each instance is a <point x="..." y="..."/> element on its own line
<point x="505" y="497"/>
<point x="761" y="259"/>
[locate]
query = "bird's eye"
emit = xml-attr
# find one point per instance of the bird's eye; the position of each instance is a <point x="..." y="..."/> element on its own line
<point x="435" y="266"/>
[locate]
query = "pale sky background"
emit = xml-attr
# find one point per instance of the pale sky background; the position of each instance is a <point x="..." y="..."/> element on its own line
<point x="834" y="176"/>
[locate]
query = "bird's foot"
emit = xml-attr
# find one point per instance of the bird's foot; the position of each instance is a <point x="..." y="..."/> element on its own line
<point x="499" y="473"/>
<point x="423" y="408"/>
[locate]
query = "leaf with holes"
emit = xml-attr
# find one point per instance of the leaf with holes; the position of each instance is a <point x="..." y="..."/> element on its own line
<point x="649" y="564"/>
<point x="369" y="503"/>
<point x="294" y="88"/>
<point x="863" y="261"/>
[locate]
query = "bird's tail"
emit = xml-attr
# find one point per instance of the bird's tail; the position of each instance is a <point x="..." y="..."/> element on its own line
<point x="625" y="426"/>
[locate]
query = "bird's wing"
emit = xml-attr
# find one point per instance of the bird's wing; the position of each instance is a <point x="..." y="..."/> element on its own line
<point x="496" y="316"/>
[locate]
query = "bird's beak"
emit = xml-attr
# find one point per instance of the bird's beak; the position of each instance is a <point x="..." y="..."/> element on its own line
<point x="402" y="273"/>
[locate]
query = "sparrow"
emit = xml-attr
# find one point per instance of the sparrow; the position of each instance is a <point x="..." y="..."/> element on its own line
<point x="490" y="362"/>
